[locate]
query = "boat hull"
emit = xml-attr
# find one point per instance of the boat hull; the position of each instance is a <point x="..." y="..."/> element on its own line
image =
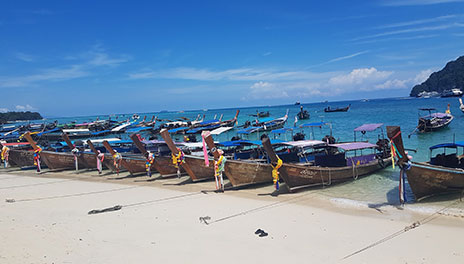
<point x="63" y="160"/>
<point x="426" y="180"/>
<point x="297" y="176"/>
<point x="243" y="173"/>
<point x="21" y="158"/>
<point x="198" y="168"/>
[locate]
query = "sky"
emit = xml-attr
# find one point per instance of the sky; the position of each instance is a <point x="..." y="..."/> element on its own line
<point x="69" y="58"/>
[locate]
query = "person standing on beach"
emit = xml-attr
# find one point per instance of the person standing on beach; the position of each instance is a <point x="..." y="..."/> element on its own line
<point x="218" y="171"/>
<point x="117" y="158"/>
<point x="5" y="155"/>
<point x="150" y="158"/>
<point x="100" y="159"/>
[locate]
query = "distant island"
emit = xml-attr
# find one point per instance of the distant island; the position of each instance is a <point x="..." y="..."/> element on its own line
<point x="441" y="83"/>
<point x="14" y="116"/>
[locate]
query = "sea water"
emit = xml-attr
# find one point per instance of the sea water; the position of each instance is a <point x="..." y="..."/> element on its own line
<point x="376" y="190"/>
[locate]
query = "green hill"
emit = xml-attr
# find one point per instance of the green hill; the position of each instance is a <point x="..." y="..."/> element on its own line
<point x="13" y="116"/>
<point x="452" y="76"/>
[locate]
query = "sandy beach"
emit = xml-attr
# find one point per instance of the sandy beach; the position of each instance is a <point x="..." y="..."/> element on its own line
<point x="48" y="222"/>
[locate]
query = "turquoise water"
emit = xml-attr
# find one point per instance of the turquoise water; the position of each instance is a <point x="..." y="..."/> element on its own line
<point x="378" y="189"/>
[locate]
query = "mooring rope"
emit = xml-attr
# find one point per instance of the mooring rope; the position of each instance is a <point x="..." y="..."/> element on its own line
<point x="119" y="207"/>
<point x="259" y="208"/>
<point x="404" y="230"/>
<point x="70" y="195"/>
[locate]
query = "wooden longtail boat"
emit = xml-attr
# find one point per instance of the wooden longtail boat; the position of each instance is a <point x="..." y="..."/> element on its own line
<point x="107" y="162"/>
<point x="328" y="109"/>
<point x="433" y="121"/>
<point x="443" y="173"/>
<point x="328" y="169"/>
<point x="134" y="163"/>
<point x="163" y="164"/>
<point x="20" y="154"/>
<point x="242" y="172"/>
<point x="193" y="165"/>
<point x="57" y="160"/>
<point x="265" y="125"/>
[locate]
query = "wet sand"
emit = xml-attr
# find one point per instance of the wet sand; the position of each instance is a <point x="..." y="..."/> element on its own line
<point x="160" y="222"/>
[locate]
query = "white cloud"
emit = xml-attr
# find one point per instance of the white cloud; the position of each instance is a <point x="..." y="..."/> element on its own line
<point x="347" y="57"/>
<point x="266" y="90"/>
<point x="25" y="57"/>
<point x="411" y="30"/>
<point x="239" y="74"/>
<point x="52" y="74"/>
<point x="24" y="108"/>
<point x="392" y="84"/>
<point x="418" y="21"/>
<point x="103" y="59"/>
<point x="422" y="76"/>
<point x="360" y="76"/>
<point x="3" y="110"/>
<point x="417" y="2"/>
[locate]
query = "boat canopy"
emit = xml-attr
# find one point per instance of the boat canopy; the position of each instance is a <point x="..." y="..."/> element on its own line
<point x="353" y="145"/>
<point x="369" y="127"/>
<point x="282" y="130"/>
<point x="76" y="130"/>
<point x="305" y="143"/>
<point x="138" y="129"/>
<point x="448" y="145"/>
<point x="437" y="115"/>
<point x="174" y="130"/>
<point x="220" y="130"/>
<point x="265" y="119"/>
<point x="316" y="124"/>
<point x="15" y="144"/>
<point x="48" y="131"/>
<point x="236" y="143"/>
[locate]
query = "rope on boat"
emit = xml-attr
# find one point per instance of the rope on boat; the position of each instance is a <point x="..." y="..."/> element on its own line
<point x="405" y="229"/>
<point x="119" y="207"/>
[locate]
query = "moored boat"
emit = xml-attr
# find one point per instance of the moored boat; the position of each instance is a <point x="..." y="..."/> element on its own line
<point x="442" y="173"/>
<point x="328" y="109"/>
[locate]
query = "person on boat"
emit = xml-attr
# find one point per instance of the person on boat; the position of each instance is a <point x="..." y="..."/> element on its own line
<point x="178" y="159"/>
<point x="150" y="158"/>
<point x="5" y="155"/>
<point x="37" y="158"/>
<point x="448" y="111"/>
<point x="218" y="171"/>
<point x="100" y="159"/>
<point x="186" y="139"/>
<point x="117" y="159"/>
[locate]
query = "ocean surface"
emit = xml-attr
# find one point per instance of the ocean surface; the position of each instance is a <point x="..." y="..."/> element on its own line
<point x="376" y="190"/>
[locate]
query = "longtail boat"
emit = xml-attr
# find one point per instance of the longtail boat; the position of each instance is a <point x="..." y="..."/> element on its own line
<point x="132" y="162"/>
<point x="329" y="163"/>
<point x="163" y="164"/>
<point x="328" y="109"/>
<point x="20" y="154"/>
<point x="433" y="121"/>
<point x="58" y="160"/>
<point x="107" y="162"/>
<point x="193" y="165"/>
<point x="442" y="173"/>
<point x="242" y="172"/>
<point x="265" y="125"/>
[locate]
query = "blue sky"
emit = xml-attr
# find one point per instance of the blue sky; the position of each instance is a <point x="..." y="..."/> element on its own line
<point x="65" y="58"/>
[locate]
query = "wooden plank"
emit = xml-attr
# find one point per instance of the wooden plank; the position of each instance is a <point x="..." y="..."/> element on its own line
<point x="67" y="140"/>
<point x="273" y="156"/>
<point x="29" y="139"/>
<point x="212" y="147"/>
<point x="167" y="138"/>
<point x="112" y="152"/>
<point x="138" y="144"/>
<point x="92" y="147"/>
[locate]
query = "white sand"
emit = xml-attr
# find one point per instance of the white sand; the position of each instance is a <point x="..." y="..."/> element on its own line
<point x="57" y="228"/>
